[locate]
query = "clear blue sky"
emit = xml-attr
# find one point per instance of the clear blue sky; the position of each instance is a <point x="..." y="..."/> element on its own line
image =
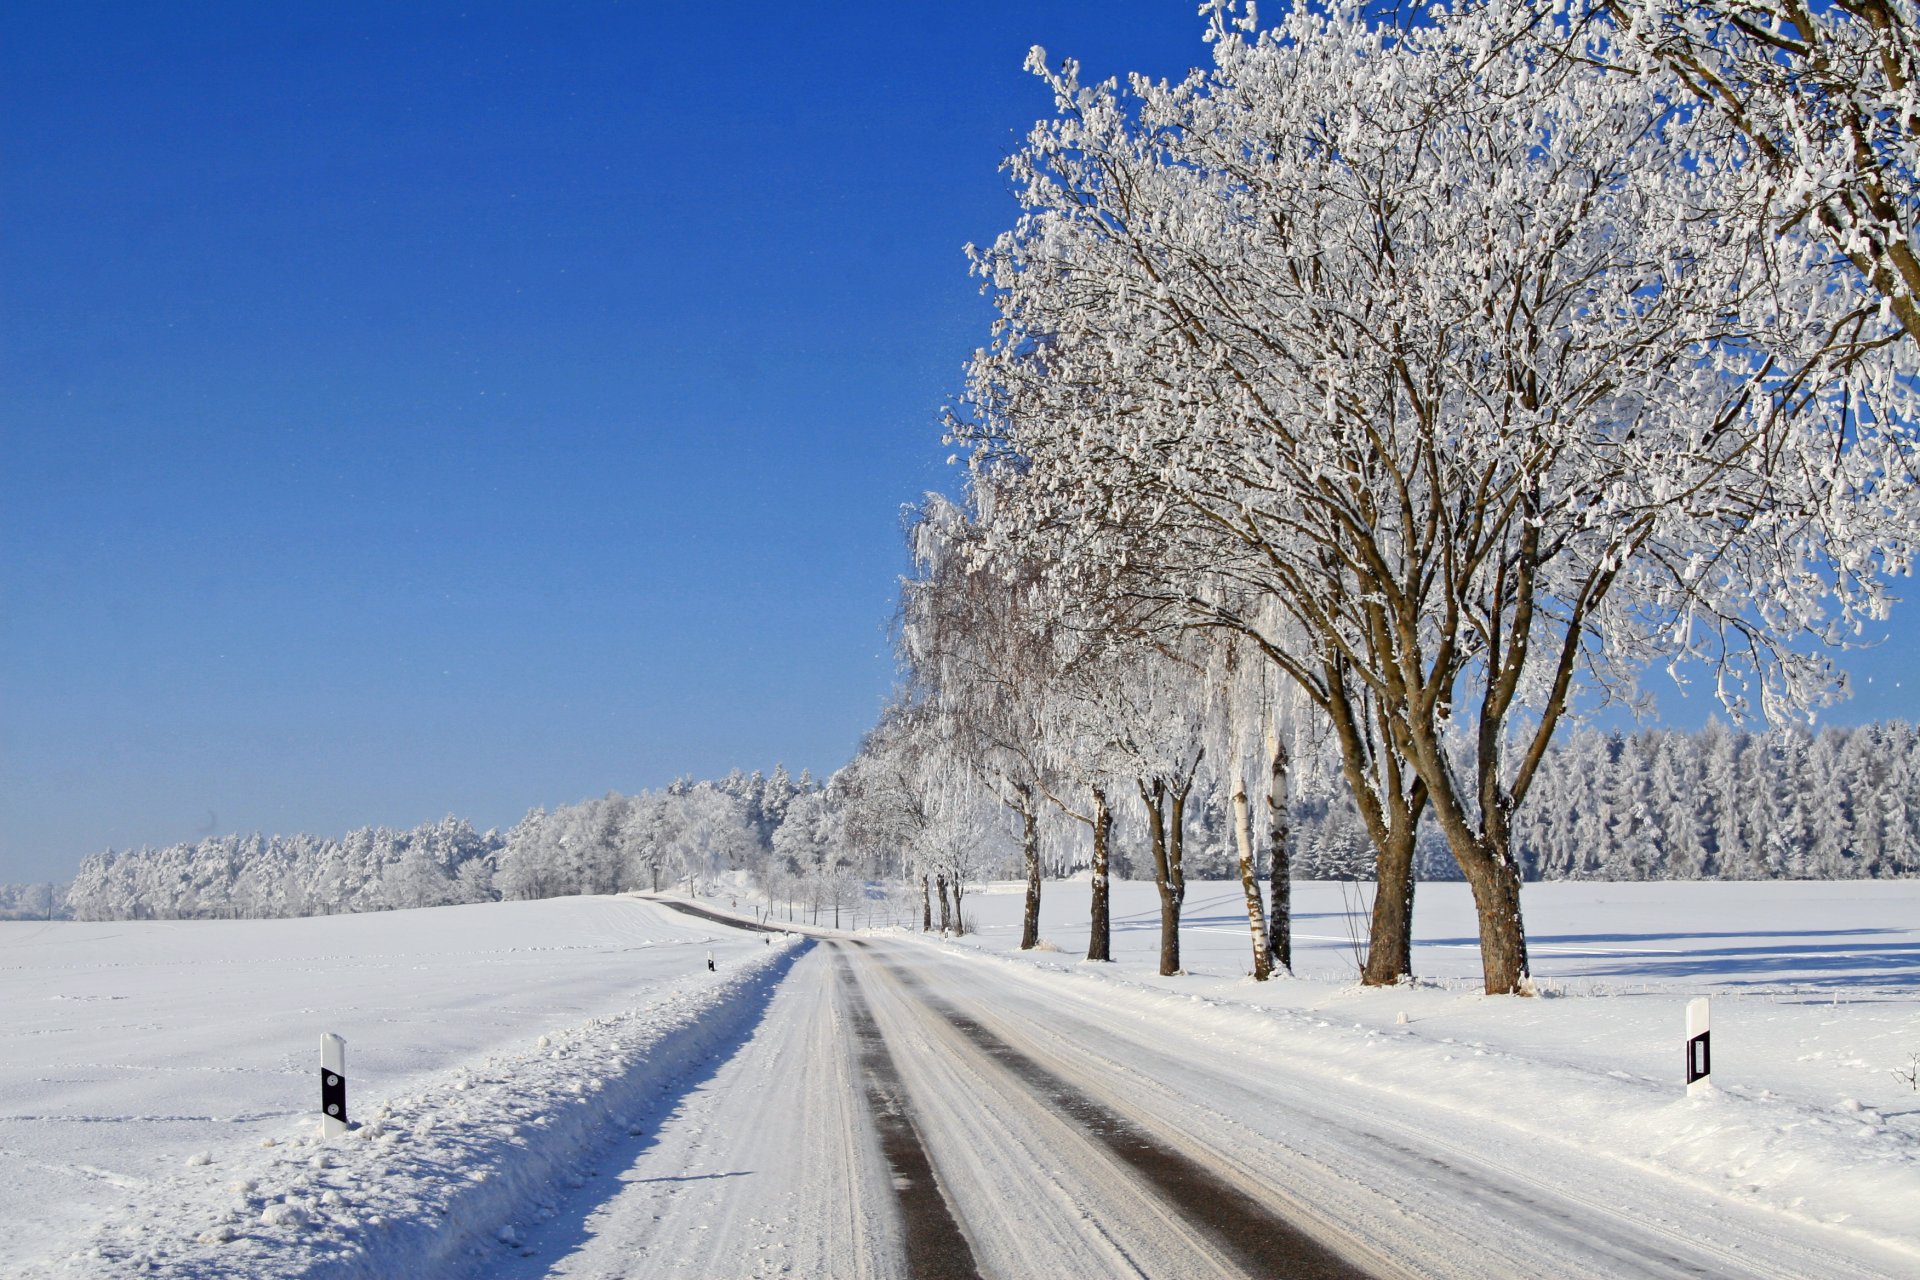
<point x="415" y="408"/>
<point x="411" y="408"/>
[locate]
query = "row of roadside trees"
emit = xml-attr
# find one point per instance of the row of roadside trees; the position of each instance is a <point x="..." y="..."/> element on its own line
<point x="1365" y="405"/>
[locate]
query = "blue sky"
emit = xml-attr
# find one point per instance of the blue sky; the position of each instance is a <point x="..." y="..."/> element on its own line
<point x="412" y="409"/>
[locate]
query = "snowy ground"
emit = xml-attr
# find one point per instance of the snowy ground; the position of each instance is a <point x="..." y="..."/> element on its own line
<point x="155" y="1080"/>
<point x="145" y="1067"/>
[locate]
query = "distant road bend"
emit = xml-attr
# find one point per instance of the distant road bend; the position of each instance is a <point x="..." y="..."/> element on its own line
<point x="903" y="1112"/>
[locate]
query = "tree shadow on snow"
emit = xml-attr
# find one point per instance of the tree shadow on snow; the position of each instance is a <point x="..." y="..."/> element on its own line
<point x="691" y="1177"/>
<point x="1571" y="938"/>
<point x="1844" y="961"/>
<point x="1236" y="920"/>
<point x="1580" y="939"/>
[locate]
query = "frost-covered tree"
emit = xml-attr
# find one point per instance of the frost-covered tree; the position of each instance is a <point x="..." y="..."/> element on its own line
<point x="1407" y="335"/>
<point x="1162" y="741"/>
<point x="804" y="840"/>
<point x="979" y="645"/>
<point x="881" y="798"/>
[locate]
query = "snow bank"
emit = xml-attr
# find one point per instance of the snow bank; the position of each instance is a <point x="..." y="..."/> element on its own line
<point x="450" y="1167"/>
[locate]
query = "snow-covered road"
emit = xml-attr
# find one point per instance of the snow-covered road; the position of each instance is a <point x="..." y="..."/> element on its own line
<point x="1071" y="1135"/>
<point x="869" y="1127"/>
<point x="768" y="1166"/>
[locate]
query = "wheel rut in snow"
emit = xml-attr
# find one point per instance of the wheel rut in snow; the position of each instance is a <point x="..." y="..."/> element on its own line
<point x="1250" y="1233"/>
<point x="935" y="1246"/>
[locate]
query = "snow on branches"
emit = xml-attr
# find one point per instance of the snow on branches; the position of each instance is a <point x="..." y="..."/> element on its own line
<point x="1814" y="111"/>
<point x="1421" y="360"/>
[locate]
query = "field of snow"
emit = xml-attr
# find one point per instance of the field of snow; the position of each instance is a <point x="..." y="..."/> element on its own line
<point x="157" y="1079"/>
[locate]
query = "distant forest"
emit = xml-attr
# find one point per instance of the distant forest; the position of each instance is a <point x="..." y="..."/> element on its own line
<point x="1652" y="805"/>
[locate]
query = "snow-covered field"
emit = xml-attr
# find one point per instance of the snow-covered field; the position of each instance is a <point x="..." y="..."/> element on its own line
<point x="156" y="1079"/>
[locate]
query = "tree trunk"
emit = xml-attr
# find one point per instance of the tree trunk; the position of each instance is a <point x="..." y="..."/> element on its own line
<point x="1250" y="883"/>
<point x="946" y="912"/>
<point x="1279" y="861"/>
<point x="1099" y="941"/>
<point x="1390" y="804"/>
<point x="1030" y="850"/>
<point x="1390" y="936"/>
<point x="1154" y="797"/>
<point x="1483" y="850"/>
<point x="926" y="906"/>
<point x="1503" y="938"/>
<point x="1177" y="849"/>
<point x="959" y="920"/>
<point x="1495" y="879"/>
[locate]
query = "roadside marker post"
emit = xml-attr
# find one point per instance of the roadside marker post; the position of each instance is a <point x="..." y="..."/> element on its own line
<point x="1699" y="1049"/>
<point x="333" y="1085"/>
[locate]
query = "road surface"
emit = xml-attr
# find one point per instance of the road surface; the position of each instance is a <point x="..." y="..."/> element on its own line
<point x="901" y="1111"/>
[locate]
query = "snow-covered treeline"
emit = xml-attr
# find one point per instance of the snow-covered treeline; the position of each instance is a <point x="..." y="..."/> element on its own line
<point x="40" y="900"/>
<point x="1662" y="804"/>
<point x="1653" y="805"/>
<point x="682" y="834"/>
<point x="1724" y="804"/>
<point x="246" y="876"/>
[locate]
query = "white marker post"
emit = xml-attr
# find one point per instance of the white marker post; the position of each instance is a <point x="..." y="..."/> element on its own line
<point x="333" y="1086"/>
<point x="1699" y="1056"/>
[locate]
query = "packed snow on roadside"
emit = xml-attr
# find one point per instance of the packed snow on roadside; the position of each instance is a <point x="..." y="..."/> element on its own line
<point x="158" y="1079"/>
<point x="1814" y="989"/>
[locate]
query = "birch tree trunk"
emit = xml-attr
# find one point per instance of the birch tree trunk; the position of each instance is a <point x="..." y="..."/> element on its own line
<point x="1030" y="851"/>
<point x="1177" y="846"/>
<point x="1099" y="940"/>
<point x="1250" y="883"/>
<point x="1279" y="861"/>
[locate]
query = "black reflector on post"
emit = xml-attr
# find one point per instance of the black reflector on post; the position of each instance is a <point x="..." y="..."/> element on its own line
<point x="1699" y="1060"/>
<point x="333" y="1086"/>
<point x="1699" y="1055"/>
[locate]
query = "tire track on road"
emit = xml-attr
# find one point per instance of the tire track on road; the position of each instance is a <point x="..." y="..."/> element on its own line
<point x="1244" y="1229"/>
<point x="936" y="1247"/>
<point x="1456" y="1210"/>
